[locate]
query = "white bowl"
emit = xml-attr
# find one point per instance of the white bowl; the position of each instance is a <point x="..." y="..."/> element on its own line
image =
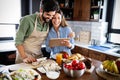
<point x="53" y="74"/>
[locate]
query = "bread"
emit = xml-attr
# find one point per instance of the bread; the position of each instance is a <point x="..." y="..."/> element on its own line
<point x="73" y="56"/>
<point x="76" y="56"/>
<point x="50" y="65"/>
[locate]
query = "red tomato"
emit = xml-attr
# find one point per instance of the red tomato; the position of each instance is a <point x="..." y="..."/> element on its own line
<point x="75" y="63"/>
<point x="68" y="66"/>
<point x="75" y="67"/>
<point x="65" y="55"/>
<point x="81" y="65"/>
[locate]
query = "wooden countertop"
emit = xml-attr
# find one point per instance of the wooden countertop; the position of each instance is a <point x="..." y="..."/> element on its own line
<point x="86" y="76"/>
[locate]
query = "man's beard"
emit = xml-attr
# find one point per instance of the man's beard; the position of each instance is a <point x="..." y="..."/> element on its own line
<point x="46" y="19"/>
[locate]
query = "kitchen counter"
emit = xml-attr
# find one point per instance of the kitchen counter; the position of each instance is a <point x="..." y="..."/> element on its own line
<point x="94" y="75"/>
<point x="109" y="52"/>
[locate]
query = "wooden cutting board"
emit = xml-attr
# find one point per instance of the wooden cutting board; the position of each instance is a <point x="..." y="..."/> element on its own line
<point x="25" y="65"/>
<point x="85" y="37"/>
<point x="21" y="66"/>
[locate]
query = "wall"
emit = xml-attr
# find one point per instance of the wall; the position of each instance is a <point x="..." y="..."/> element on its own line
<point x="116" y="15"/>
<point x="98" y="29"/>
<point x="10" y="11"/>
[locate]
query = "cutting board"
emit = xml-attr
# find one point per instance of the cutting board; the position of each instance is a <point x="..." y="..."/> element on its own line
<point x="84" y="37"/>
<point x="21" y="66"/>
<point x="25" y="65"/>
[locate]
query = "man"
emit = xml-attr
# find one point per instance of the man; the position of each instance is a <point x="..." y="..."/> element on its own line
<point x="32" y="32"/>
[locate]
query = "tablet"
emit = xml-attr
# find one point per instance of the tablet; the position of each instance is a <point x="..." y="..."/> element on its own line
<point x="57" y="41"/>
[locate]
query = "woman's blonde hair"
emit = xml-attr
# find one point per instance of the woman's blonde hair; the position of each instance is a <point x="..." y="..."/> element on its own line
<point x="63" y="21"/>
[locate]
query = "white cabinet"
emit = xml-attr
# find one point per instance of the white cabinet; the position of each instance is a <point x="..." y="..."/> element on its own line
<point x="10" y="11"/>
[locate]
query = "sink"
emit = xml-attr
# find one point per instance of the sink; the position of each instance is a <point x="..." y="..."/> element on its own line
<point x="101" y="48"/>
<point x="117" y="51"/>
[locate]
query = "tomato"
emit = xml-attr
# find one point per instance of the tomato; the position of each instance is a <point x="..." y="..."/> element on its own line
<point x="75" y="63"/>
<point x="68" y="66"/>
<point x="75" y="67"/>
<point x="81" y="65"/>
<point x="65" y="55"/>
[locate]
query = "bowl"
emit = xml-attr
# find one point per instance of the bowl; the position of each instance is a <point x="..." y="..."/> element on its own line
<point x="73" y="73"/>
<point x="53" y="74"/>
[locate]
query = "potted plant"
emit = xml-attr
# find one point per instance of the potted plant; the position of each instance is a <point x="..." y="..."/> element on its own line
<point x="96" y="14"/>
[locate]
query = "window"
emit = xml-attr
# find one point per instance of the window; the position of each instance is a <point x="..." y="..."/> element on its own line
<point x="114" y="22"/>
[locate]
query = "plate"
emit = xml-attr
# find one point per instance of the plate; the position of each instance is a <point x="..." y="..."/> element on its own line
<point x="41" y="69"/>
<point x="105" y="70"/>
<point x="26" y="74"/>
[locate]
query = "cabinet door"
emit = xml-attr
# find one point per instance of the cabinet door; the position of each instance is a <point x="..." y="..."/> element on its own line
<point x="109" y="57"/>
<point x="75" y="50"/>
<point x="97" y="55"/>
<point x="83" y="51"/>
<point x="82" y="10"/>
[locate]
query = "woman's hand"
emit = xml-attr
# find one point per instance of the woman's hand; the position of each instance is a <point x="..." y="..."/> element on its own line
<point x="71" y="35"/>
<point x="66" y="43"/>
<point x="29" y="59"/>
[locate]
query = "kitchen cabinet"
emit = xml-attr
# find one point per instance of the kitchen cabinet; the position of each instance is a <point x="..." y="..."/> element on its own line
<point x="98" y="10"/>
<point x="76" y="9"/>
<point x="84" y="10"/>
<point x="81" y="10"/>
<point x="67" y="7"/>
<point x="75" y="50"/>
<point x="110" y="57"/>
<point x="93" y="54"/>
<point x="80" y="50"/>
<point x="97" y="55"/>
<point x="7" y="57"/>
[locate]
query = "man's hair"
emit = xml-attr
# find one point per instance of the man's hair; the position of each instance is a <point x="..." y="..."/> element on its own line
<point x="49" y="5"/>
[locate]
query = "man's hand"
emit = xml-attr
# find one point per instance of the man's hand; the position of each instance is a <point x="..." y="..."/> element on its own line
<point x="29" y="59"/>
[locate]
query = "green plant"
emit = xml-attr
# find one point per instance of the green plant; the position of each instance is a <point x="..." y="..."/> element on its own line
<point x="96" y="12"/>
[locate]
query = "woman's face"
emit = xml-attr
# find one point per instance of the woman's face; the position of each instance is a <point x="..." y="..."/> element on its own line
<point x="56" y="20"/>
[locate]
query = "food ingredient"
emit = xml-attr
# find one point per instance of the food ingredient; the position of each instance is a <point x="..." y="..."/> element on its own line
<point x="24" y="74"/>
<point x="65" y="54"/>
<point x="118" y="63"/>
<point x="75" y="65"/>
<point x="110" y="65"/>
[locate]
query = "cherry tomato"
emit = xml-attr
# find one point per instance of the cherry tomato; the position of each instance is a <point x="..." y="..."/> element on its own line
<point x="75" y="63"/>
<point x="81" y="65"/>
<point x="65" y="55"/>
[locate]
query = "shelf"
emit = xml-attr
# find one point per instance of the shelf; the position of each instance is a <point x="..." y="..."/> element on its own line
<point x="95" y="6"/>
<point x="66" y="8"/>
<point x="95" y="20"/>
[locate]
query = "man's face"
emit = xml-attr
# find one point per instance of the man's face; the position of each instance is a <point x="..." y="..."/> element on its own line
<point x="47" y="16"/>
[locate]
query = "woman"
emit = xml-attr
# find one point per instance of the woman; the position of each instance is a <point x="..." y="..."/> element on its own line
<point x="60" y="29"/>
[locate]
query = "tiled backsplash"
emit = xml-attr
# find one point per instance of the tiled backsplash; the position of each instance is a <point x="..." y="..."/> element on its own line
<point x="97" y="29"/>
